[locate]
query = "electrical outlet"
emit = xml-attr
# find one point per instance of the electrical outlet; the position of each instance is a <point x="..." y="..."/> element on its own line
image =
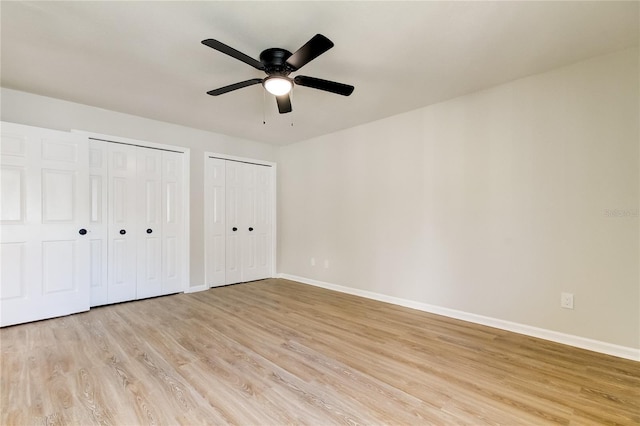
<point x="313" y="261"/>
<point x="566" y="300"/>
<point x="326" y="264"/>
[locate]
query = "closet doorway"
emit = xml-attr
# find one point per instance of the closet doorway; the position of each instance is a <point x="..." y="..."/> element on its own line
<point x="239" y="220"/>
<point x="139" y="219"/>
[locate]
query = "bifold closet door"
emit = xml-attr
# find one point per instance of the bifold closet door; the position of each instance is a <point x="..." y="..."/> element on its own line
<point x="239" y="224"/>
<point x="44" y="243"/>
<point x="138" y="222"/>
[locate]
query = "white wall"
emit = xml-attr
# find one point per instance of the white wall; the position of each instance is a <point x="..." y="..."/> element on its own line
<point x="492" y="203"/>
<point x="26" y="108"/>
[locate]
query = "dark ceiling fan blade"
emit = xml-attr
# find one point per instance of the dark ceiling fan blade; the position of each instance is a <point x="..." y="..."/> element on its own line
<point x="221" y="47"/>
<point x="284" y="103"/>
<point x="326" y="85"/>
<point x="235" y="86"/>
<point x="311" y="50"/>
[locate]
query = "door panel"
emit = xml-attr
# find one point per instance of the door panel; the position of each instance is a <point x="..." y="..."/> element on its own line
<point x="97" y="267"/>
<point x="13" y="259"/>
<point x="12" y="183"/>
<point x="150" y="270"/>
<point x="44" y="258"/>
<point x="59" y="151"/>
<point x="233" y="200"/>
<point x="58" y="265"/>
<point x="13" y="143"/>
<point x="98" y="218"/>
<point x="148" y="180"/>
<point x="58" y="191"/>
<point x="122" y="225"/>
<point x="215" y="222"/>
<point x="96" y="188"/>
<point x="172" y="222"/>
<point x="257" y="193"/>
<point x="171" y="264"/>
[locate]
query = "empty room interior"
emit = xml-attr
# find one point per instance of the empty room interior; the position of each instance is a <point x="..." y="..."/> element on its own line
<point x="345" y="212"/>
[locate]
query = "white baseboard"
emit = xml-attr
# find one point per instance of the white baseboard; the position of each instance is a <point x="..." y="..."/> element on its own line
<point x="554" y="336"/>
<point x="196" y="288"/>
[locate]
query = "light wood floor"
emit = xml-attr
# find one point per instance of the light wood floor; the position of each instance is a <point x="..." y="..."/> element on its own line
<point x="277" y="352"/>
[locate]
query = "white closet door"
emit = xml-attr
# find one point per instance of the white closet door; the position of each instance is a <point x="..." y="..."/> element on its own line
<point x="236" y="228"/>
<point x="256" y="209"/>
<point x="122" y="213"/>
<point x="148" y="228"/>
<point x="238" y="221"/>
<point x="44" y="255"/>
<point x="215" y="222"/>
<point x="98" y="218"/>
<point x="172" y="216"/>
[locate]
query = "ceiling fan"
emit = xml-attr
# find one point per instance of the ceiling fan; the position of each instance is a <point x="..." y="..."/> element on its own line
<point x="278" y="63"/>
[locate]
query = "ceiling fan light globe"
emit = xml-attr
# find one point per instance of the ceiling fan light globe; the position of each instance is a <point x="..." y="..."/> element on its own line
<point x="277" y="86"/>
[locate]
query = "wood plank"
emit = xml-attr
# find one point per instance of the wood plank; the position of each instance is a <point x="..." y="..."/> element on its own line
<point x="280" y="352"/>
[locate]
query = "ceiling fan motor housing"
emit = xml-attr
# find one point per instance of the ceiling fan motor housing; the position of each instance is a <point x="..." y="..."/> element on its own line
<point x="275" y="61"/>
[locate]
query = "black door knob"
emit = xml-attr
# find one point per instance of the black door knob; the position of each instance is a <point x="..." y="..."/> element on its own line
<point x="149" y="230"/>
<point x="82" y="231"/>
<point x="122" y="232"/>
<point x="234" y="229"/>
<point x="250" y="229"/>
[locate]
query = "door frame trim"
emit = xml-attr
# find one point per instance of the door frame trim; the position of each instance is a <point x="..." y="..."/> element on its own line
<point x="186" y="173"/>
<point x="274" y="221"/>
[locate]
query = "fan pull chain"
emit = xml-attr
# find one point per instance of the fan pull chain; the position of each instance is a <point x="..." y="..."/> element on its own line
<point x="291" y="98"/>
<point x="264" y="101"/>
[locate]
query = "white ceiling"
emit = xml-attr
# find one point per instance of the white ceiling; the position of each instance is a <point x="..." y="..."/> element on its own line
<point x="146" y="59"/>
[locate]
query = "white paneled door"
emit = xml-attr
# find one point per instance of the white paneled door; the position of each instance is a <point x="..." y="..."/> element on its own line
<point x="98" y="217"/>
<point x="44" y="212"/>
<point x="138" y="218"/>
<point x="234" y="218"/>
<point x="215" y="228"/>
<point x="172" y="222"/>
<point x="239" y="223"/>
<point x="122" y="212"/>
<point x="256" y="211"/>
<point x="147" y="229"/>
